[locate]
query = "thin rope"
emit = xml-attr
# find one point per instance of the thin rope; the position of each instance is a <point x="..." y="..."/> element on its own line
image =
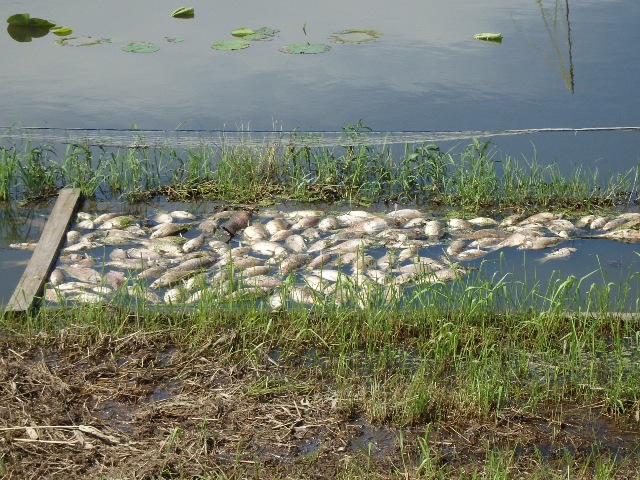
<point x="125" y="138"/>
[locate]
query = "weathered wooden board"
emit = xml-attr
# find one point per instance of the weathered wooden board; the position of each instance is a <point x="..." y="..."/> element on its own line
<point x="30" y="286"/>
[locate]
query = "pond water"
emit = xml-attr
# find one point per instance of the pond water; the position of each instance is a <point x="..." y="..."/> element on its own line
<point x="559" y="65"/>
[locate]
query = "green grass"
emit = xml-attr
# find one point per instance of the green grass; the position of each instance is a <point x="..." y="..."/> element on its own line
<point x="471" y="178"/>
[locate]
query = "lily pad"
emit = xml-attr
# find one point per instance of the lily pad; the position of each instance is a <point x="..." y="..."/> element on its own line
<point x="23" y="28"/>
<point x="61" y="31"/>
<point x="82" y="41"/>
<point x="263" y="33"/>
<point x="174" y="39"/>
<point x="305" y="48"/>
<point x="355" y="35"/>
<point x="25" y="33"/>
<point x="242" y="32"/>
<point x="489" y="37"/>
<point x="230" y="45"/>
<point x="25" y="20"/>
<point x="183" y="12"/>
<point x="140" y="47"/>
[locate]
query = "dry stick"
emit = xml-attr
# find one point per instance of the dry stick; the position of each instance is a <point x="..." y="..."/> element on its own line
<point x="88" y="429"/>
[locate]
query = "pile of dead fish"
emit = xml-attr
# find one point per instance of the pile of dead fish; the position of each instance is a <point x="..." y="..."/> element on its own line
<point x="297" y="257"/>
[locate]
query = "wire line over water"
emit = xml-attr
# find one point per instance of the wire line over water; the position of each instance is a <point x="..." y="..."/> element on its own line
<point x="127" y="138"/>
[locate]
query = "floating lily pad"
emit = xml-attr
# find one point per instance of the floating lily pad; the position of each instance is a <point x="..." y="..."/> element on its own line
<point x="183" y="12"/>
<point x="82" y="41"/>
<point x="23" y="28"/>
<point x="242" y="32"/>
<point x="26" y="33"/>
<point x="230" y="45"/>
<point x="489" y="37"/>
<point x="355" y="35"/>
<point x="174" y="39"/>
<point x="61" y="31"/>
<point x="263" y="33"/>
<point x="305" y="48"/>
<point x="25" y="20"/>
<point x="140" y="47"/>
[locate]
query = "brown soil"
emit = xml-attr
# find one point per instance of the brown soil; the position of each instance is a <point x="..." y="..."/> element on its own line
<point x="137" y="407"/>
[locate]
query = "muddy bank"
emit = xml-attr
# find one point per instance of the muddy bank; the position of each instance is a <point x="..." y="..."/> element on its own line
<point x="141" y="406"/>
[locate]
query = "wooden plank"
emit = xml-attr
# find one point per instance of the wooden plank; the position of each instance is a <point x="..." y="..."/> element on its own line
<point x="31" y="285"/>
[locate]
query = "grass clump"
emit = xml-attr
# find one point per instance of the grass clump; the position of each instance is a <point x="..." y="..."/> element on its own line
<point x="471" y="178"/>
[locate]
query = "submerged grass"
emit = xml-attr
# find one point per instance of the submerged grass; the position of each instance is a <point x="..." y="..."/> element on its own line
<point x="470" y="178"/>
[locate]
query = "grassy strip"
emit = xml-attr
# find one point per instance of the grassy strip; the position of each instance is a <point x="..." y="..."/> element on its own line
<point x="475" y="352"/>
<point x="471" y="179"/>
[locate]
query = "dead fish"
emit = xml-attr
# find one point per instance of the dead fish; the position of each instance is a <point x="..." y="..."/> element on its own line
<point x="407" y="253"/>
<point x="246" y="261"/>
<point x="146" y="254"/>
<point x="268" y="248"/>
<point x="280" y="235"/>
<point x="237" y="222"/>
<point x="171" y="278"/>
<point x="128" y="263"/>
<point x="182" y="215"/>
<point x="115" y="279"/>
<point x="83" y="216"/>
<point x="350" y="246"/>
<point x="263" y="281"/>
<point x="86" y="225"/>
<point x="152" y="272"/>
<point x="118" y="254"/>
<point x="294" y="262"/>
<point x="74" y="286"/>
<point x="73" y="236"/>
<point x="629" y="235"/>
<point x="24" y="245"/>
<point x="540" y="243"/>
<point x="275" y="225"/>
<point x="119" y="222"/>
<point x="162" y="217"/>
<point x="304" y="213"/>
<point x="456" y="247"/>
<point x="166" y="245"/>
<point x="558" y="253"/>
<point x="471" y="254"/>
<point x="57" y="277"/>
<point x="407" y="214"/>
<point x="598" y="223"/>
<point x="169" y="229"/>
<point x="511" y="220"/>
<point x="87" y="297"/>
<point x="613" y="224"/>
<point x="320" y="260"/>
<point x="100" y="219"/>
<point x="542" y="217"/>
<point x="311" y="233"/>
<point x="209" y="226"/>
<point x="84" y="274"/>
<point x="301" y="295"/>
<point x="456" y="224"/>
<point x="483" y="222"/>
<point x="305" y="222"/>
<point x="374" y="225"/>
<point x="585" y="221"/>
<point x="296" y="243"/>
<point x="328" y="274"/>
<point x="434" y="228"/>
<point x="327" y="224"/>
<point x="514" y="240"/>
<point x="318" y="284"/>
<point x="256" y="232"/>
<point x="193" y="244"/>
<point x="256" y="270"/>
